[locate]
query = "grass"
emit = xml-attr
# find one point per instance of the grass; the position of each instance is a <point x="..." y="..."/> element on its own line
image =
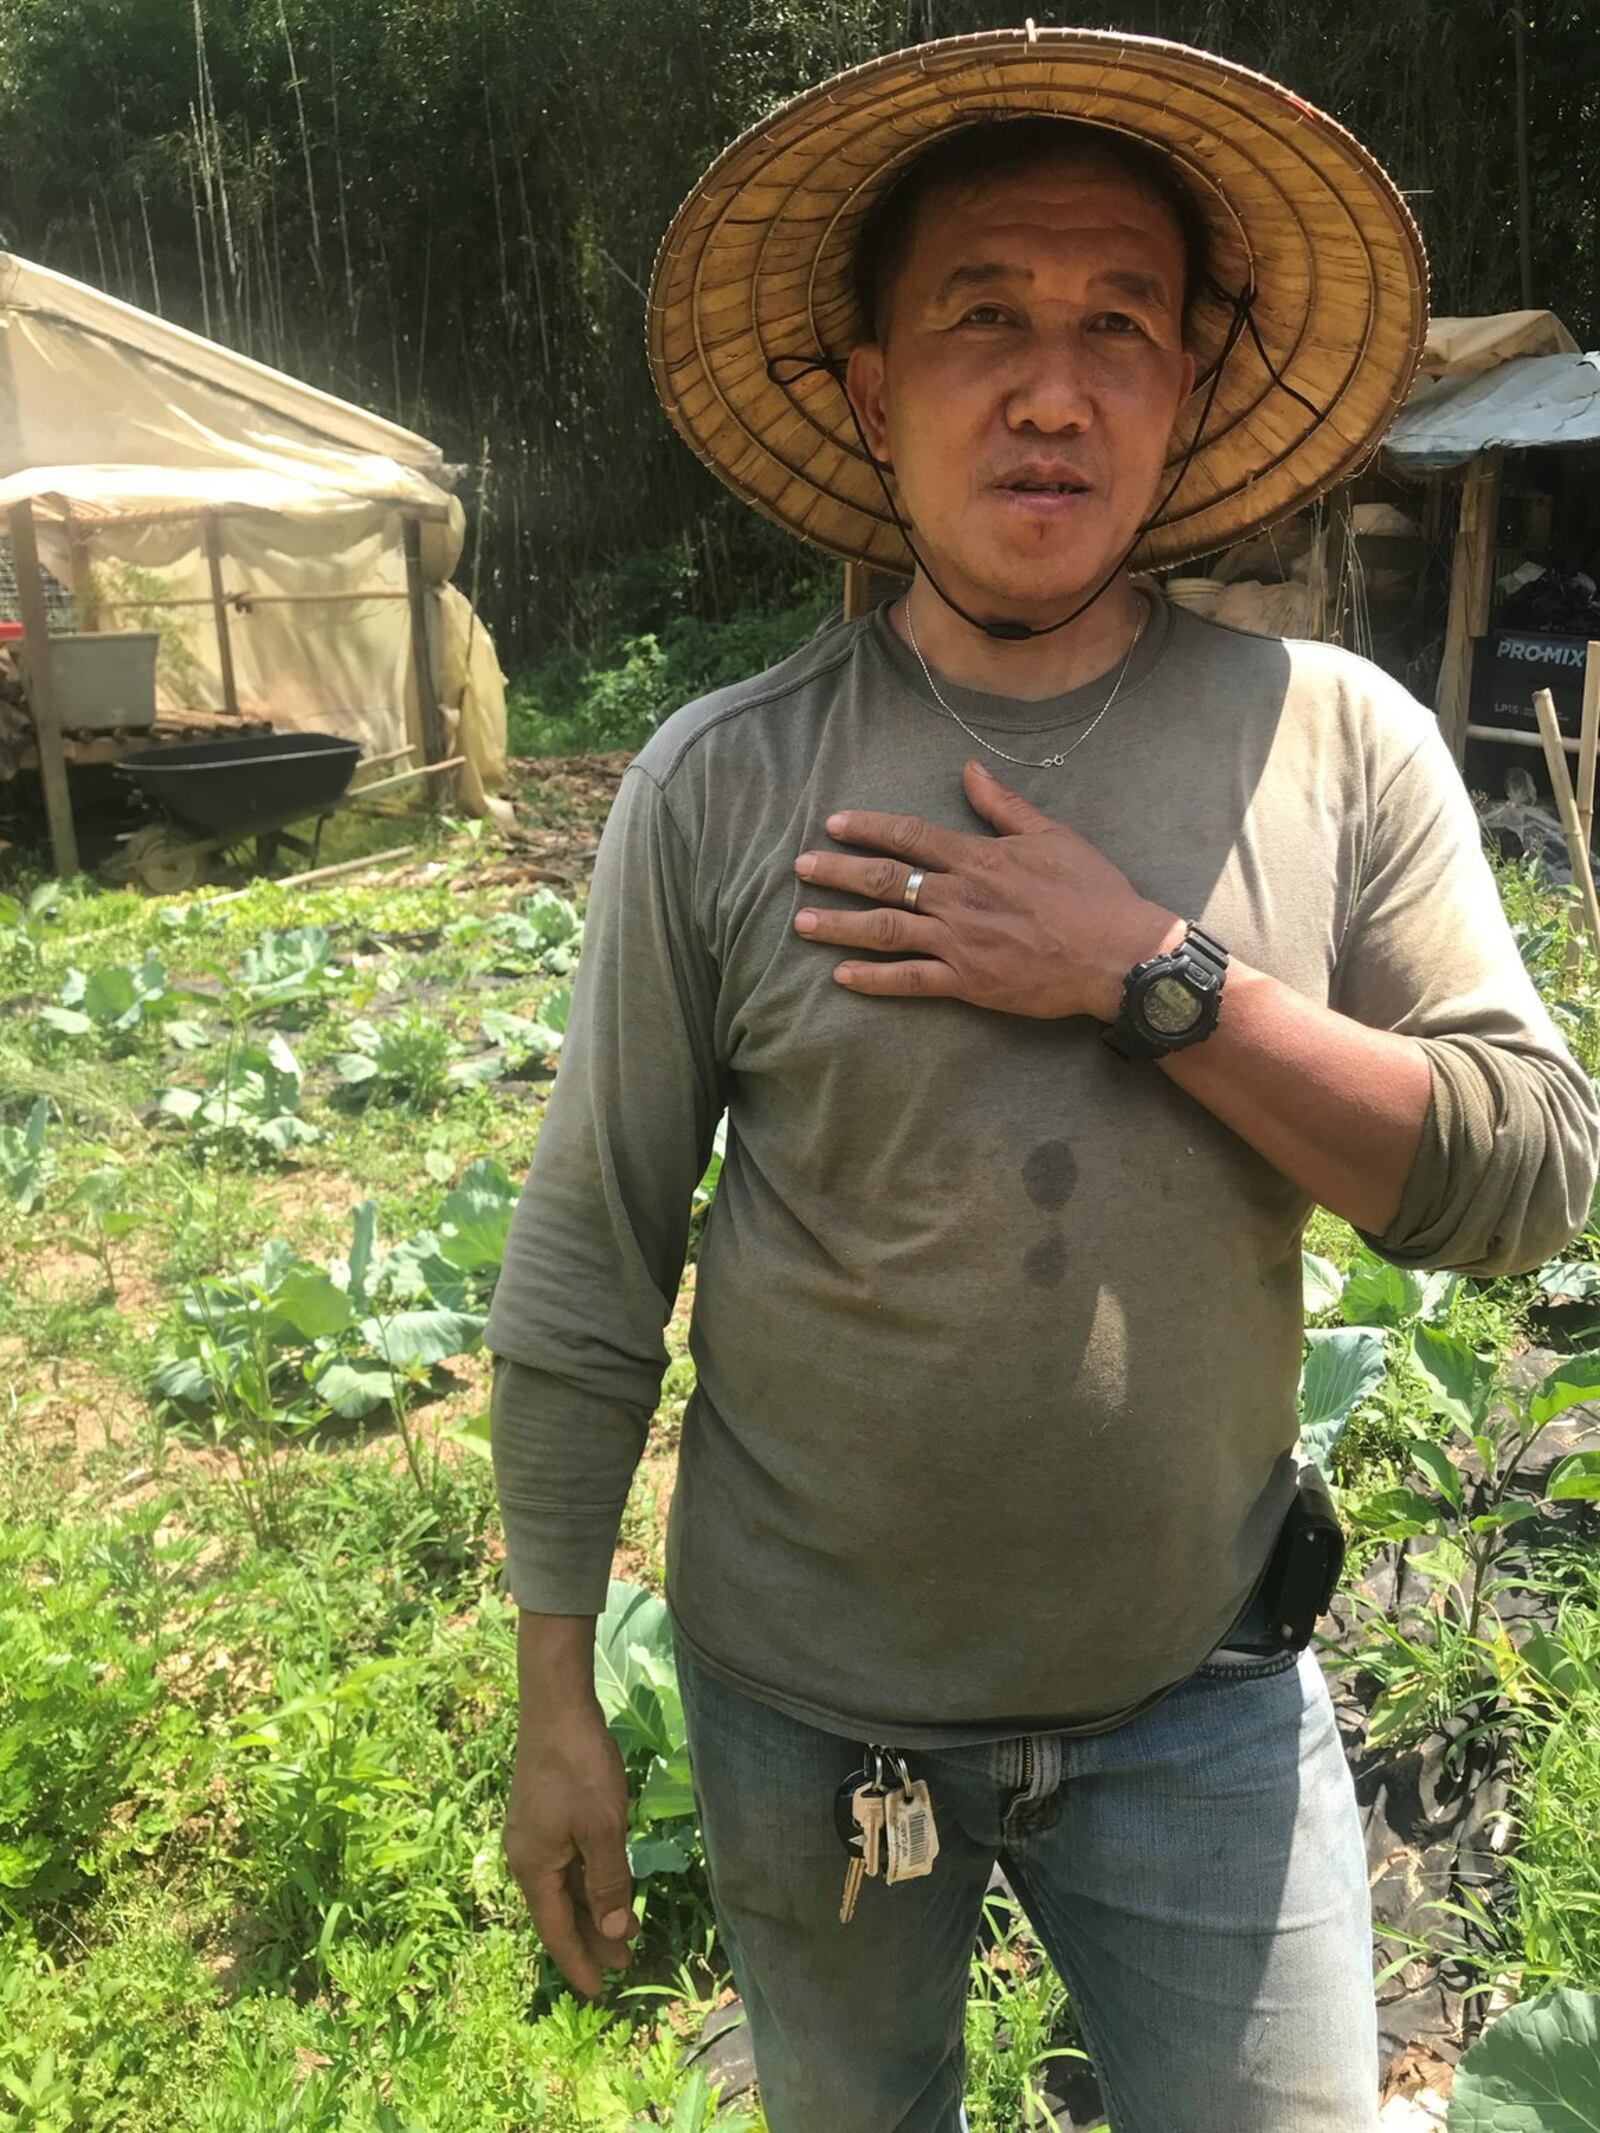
<point x="252" y="1768"/>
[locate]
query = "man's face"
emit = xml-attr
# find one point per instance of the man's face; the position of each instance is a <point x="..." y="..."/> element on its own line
<point x="1030" y="372"/>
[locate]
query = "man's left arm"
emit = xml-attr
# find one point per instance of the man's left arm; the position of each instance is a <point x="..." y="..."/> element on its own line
<point x="1432" y="1103"/>
<point x="1504" y="1166"/>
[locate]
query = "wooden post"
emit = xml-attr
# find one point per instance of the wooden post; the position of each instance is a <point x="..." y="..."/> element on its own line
<point x="431" y="718"/>
<point x="1471" y="591"/>
<point x="864" y="587"/>
<point x="41" y="689"/>
<point x="219" y="614"/>
<point x="1544" y="708"/>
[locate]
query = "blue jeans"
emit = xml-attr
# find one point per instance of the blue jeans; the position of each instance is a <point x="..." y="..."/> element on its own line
<point x="1197" y="1876"/>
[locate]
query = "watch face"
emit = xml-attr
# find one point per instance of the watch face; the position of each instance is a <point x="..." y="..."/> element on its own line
<point x="1170" y="1007"/>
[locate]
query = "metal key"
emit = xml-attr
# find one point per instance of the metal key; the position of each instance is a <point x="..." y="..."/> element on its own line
<point x="858" y="1814"/>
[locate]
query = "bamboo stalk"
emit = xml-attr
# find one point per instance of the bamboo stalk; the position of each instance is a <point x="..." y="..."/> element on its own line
<point x="1589" y="736"/>
<point x="300" y="881"/>
<point x="408" y="777"/>
<point x="1513" y="739"/>
<point x="376" y="762"/>
<point x="1567" y="807"/>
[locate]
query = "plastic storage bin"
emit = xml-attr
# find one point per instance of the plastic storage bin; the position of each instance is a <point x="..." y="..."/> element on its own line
<point x="104" y="679"/>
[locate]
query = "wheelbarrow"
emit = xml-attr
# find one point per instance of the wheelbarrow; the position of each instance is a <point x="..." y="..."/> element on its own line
<point x="221" y="793"/>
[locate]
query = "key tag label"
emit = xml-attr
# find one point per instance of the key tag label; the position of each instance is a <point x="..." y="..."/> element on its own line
<point x="913" y="1838"/>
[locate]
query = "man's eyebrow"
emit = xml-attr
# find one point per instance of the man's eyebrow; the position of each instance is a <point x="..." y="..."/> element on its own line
<point x="1125" y="281"/>
<point x="978" y="276"/>
<point x="1143" y="288"/>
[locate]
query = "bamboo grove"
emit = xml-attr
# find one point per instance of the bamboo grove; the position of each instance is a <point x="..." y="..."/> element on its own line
<point x="448" y="209"/>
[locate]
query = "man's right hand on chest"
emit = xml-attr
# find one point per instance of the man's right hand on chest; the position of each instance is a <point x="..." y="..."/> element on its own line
<point x="566" y="1827"/>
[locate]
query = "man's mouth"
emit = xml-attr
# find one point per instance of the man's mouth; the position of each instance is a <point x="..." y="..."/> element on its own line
<point x="1042" y="484"/>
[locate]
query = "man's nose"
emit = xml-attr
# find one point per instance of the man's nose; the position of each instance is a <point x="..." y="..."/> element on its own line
<point x="1051" y="389"/>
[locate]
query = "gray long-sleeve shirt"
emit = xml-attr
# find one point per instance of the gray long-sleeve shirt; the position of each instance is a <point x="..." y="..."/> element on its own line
<point x="997" y="1336"/>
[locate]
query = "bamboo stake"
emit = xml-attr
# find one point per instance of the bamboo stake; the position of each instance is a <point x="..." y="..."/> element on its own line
<point x="300" y="881"/>
<point x="41" y="690"/>
<point x="1567" y="807"/>
<point x="1589" y="736"/>
<point x="406" y="777"/>
<point x="1509" y="737"/>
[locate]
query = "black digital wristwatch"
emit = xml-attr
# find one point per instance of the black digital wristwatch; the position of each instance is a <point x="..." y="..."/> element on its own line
<point x="1170" y="1001"/>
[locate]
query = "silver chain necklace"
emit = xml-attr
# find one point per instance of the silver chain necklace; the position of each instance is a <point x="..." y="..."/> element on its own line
<point x="1050" y="762"/>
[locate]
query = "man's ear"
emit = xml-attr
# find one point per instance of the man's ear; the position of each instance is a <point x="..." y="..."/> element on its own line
<point x="863" y="381"/>
<point x="1186" y="377"/>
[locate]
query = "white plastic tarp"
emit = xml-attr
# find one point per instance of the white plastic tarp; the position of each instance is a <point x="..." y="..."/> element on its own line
<point x="125" y="431"/>
<point x="1460" y="347"/>
<point x="1528" y="401"/>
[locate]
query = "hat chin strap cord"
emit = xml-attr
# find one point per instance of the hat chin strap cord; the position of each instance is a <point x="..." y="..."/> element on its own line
<point x="1006" y="629"/>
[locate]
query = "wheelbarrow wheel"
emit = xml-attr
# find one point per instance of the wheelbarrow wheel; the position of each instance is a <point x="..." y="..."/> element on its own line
<point x="161" y="860"/>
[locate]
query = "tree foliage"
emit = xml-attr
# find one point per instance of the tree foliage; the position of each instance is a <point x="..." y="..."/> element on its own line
<point x="448" y="210"/>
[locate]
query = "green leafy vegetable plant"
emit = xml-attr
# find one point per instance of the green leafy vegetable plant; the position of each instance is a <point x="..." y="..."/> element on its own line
<point x="255" y="1106"/>
<point x="110" y="1002"/>
<point x="26" y="1163"/>
<point x="1535" y="2070"/>
<point x="1433" y="1669"/>
<point x="636" y="1680"/>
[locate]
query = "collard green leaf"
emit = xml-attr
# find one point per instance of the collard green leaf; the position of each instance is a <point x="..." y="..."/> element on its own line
<point x="632" y="1651"/>
<point x="1570" y="1280"/>
<point x="1461" y="1381"/>
<point x="363" y="1246"/>
<point x="282" y="1060"/>
<point x="182" y="1378"/>
<point x="354" y="1387"/>
<point x="1342" y="1366"/>
<point x="111" y="996"/>
<point x="475" y="1219"/>
<point x="1321" y="1283"/>
<point x="1377" y="1293"/>
<point x="70" y="1021"/>
<point x="1575" y="1379"/>
<point x="1535" y="2070"/>
<point x="312" y="1304"/>
<point x="657" y="1855"/>
<point x="421" y="1338"/>
<point x="666" y="1793"/>
<point x="473" y="1435"/>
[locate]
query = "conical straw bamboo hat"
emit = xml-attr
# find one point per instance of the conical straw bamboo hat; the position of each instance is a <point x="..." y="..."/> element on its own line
<point x="757" y="265"/>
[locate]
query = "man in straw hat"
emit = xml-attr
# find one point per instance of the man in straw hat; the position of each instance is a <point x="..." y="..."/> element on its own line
<point x="1052" y="951"/>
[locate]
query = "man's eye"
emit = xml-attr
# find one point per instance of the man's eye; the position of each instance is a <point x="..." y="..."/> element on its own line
<point x="984" y="315"/>
<point x="1118" y="322"/>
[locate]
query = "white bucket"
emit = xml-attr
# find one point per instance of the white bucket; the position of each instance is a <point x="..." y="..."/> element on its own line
<point x="1199" y="595"/>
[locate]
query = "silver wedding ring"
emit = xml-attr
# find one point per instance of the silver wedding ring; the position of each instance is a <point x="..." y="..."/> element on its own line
<point x="912" y="889"/>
